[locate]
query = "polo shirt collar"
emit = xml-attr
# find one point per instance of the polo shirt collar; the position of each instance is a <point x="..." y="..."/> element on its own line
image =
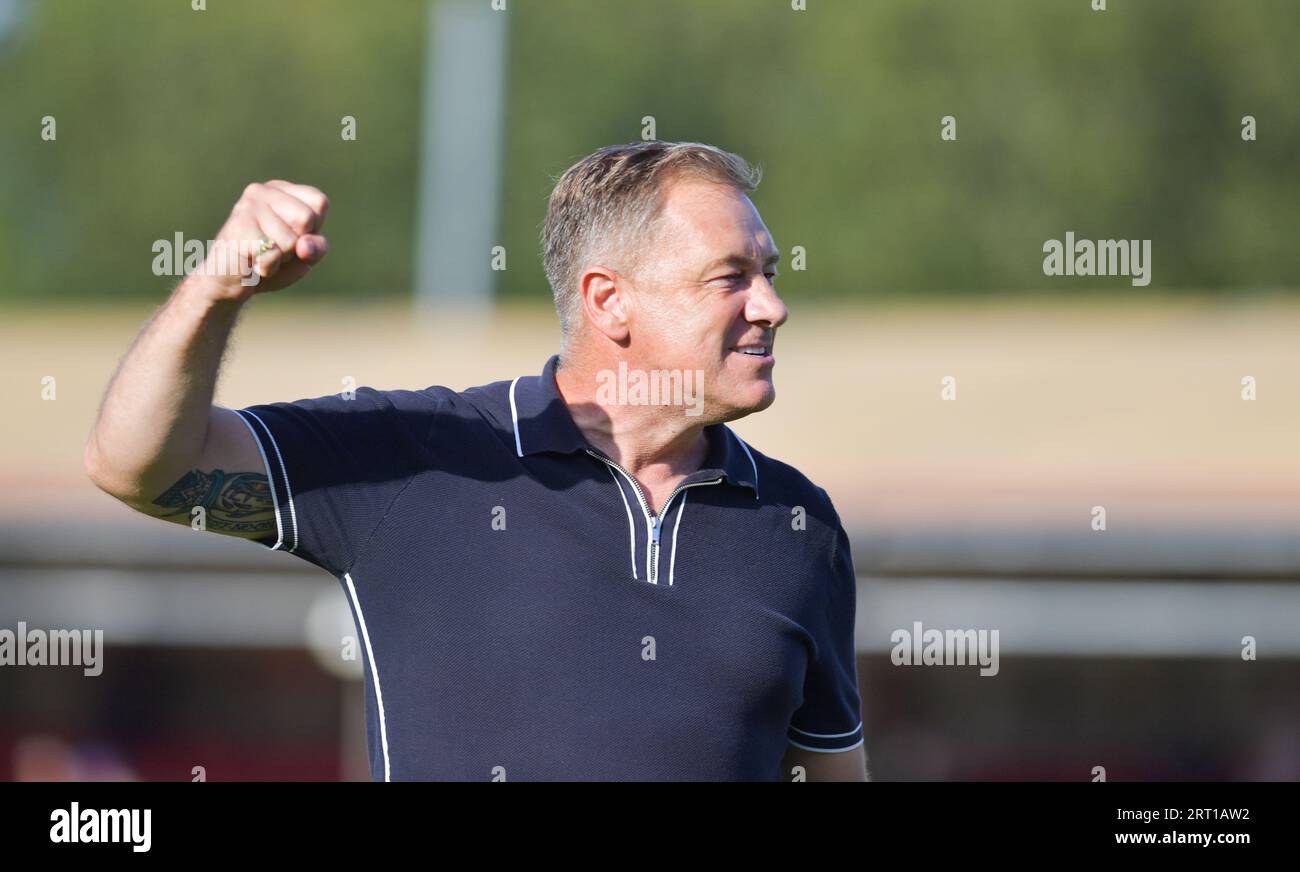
<point x="542" y="423"/>
<point x="540" y="418"/>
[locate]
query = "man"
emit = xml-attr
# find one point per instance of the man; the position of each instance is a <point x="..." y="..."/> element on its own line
<point x="582" y="574"/>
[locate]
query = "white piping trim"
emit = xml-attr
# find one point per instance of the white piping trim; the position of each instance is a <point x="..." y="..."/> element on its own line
<point x="751" y="462"/>
<point x="270" y="476"/>
<point x="672" y="560"/>
<point x="827" y="735"/>
<point x="631" y="530"/>
<point x="826" y="750"/>
<point x="514" y="417"/>
<point x="293" y="513"/>
<point x="374" y="672"/>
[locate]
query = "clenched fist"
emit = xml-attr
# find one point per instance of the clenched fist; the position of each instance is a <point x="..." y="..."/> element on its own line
<point x="270" y="241"/>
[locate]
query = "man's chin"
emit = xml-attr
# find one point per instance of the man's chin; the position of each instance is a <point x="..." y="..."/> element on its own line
<point x="745" y="403"/>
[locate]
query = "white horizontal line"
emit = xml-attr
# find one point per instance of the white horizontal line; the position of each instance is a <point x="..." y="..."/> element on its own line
<point x="1086" y="618"/>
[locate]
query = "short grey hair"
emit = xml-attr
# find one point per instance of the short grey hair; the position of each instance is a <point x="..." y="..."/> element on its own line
<point x="605" y="205"/>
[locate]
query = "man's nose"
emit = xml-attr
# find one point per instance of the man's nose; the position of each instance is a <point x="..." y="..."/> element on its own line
<point x="765" y="304"/>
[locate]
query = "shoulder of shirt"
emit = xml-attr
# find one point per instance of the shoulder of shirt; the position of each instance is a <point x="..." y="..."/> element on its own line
<point x="409" y="401"/>
<point x="787" y="484"/>
<point x="421" y="408"/>
<point x="791" y="487"/>
<point x="434" y="397"/>
<point x="415" y="410"/>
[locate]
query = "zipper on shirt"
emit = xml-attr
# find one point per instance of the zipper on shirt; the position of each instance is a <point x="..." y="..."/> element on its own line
<point x="654" y="523"/>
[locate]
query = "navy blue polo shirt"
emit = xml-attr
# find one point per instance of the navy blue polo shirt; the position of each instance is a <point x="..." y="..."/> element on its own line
<point x="524" y="616"/>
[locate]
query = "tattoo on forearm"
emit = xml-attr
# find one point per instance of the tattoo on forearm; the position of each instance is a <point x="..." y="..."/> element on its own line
<point x="236" y="502"/>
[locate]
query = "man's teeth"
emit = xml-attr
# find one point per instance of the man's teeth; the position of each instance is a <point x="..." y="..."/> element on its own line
<point x="755" y="351"/>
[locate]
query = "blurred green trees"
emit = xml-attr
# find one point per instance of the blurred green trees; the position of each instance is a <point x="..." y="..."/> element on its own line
<point x="1116" y="124"/>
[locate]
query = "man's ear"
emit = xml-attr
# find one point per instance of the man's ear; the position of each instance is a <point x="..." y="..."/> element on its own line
<point x="606" y="301"/>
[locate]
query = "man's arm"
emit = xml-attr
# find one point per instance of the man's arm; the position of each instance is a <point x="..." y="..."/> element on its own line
<point x="158" y="443"/>
<point x="825" y="765"/>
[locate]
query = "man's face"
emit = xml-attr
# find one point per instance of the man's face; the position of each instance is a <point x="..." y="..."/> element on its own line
<point x="704" y="299"/>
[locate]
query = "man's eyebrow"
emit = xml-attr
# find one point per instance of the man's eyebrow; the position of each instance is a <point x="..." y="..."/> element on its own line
<point x="741" y="261"/>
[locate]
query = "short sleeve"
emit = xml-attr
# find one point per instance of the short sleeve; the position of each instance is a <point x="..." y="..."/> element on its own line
<point x="830" y="718"/>
<point x="336" y="464"/>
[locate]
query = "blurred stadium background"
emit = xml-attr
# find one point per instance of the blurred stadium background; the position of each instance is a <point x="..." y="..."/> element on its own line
<point x="1119" y="648"/>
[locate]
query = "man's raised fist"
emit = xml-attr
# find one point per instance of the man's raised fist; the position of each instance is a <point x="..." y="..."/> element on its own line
<point x="271" y="240"/>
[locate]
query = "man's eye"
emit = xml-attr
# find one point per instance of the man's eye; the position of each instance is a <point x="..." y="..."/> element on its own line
<point x="771" y="277"/>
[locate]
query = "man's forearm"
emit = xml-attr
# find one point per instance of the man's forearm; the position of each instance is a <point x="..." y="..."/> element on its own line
<point x="153" y="420"/>
<point x="153" y="425"/>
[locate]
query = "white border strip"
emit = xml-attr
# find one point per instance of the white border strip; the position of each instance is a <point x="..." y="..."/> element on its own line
<point x="374" y="672"/>
<point x="631" y="528"/>
<point x="293" y="514"/>
<point x="827" y="750"/>
<point x="672" y="560"/>
<point x="827" y="735"/>
<point x="514" y="417"/>
<point x="270" y="476"/>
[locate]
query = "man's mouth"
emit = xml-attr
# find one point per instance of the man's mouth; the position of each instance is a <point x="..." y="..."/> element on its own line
<point x="759" y="352"/>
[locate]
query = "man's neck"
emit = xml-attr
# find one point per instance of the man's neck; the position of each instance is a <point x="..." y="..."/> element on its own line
<point x="658" y="445"/>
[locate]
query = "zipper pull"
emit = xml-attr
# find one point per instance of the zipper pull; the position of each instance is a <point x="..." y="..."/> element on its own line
<point x="654" y="549"/>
